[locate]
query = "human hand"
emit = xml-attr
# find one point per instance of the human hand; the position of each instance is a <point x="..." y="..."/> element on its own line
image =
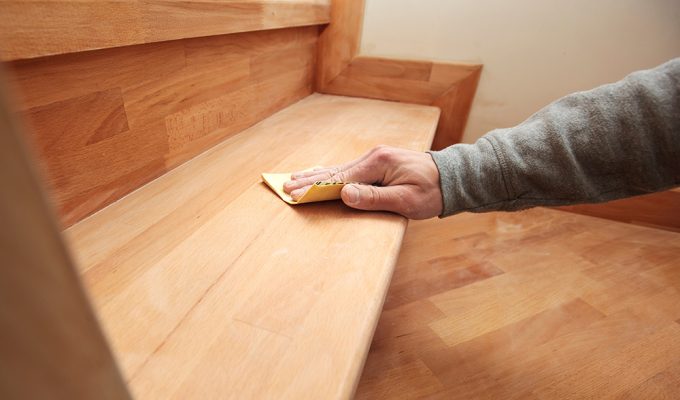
<point x="386" y="178"/>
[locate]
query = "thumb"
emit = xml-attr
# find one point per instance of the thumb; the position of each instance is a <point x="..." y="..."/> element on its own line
<point x="367" y="197"/>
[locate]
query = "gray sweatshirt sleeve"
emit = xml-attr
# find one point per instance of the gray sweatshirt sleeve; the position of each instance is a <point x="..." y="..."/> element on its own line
<point x="618" y="140"/>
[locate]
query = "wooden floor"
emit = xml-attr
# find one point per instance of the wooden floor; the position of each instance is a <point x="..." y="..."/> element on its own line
<point x="538" y="304"/>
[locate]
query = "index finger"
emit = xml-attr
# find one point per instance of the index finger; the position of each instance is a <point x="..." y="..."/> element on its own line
<point x="334" y="169"/>
<point x="295" y="184"/>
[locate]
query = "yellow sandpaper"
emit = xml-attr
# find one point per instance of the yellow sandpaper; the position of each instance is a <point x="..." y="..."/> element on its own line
<point x="320" y="191"/>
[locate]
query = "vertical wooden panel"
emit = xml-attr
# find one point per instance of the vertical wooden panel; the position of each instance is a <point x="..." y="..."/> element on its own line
<point x="455" y="104"/>
<point x="37" y="28"/>
<point x="108" y="121"/>
<point x="339" y="42"/>
<point x="50" y="343"/>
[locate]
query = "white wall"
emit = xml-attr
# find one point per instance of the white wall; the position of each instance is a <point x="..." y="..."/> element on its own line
<point x="533" y="51"/>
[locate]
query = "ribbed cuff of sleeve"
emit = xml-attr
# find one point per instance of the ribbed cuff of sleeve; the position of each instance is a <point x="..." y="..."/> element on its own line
<point x="471" y="178"/>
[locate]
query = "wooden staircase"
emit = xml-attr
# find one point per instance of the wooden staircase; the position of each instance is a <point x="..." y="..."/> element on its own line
<point x="176" y="273"/>
<point x="207" y="283"/>
<point x="141" y="253"/>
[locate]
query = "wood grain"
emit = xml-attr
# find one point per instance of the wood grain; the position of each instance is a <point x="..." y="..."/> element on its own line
<point x="51" y="345"/>
<point x="658" y="210"/>
<point x="108" y="121"/>
<point x="455" y="104"/>
<point x="341" y="70"/>
<point x="530" y="305"/>
<point x="37" y="28"/>
<point x="209" y="285"/>
<point x="451" y="87"/>
<point x="339" y="41"/>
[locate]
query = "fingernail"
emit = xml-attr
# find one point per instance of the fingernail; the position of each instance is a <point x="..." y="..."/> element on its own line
<point x="352" y="194"/>
<point x="295" y="194"/>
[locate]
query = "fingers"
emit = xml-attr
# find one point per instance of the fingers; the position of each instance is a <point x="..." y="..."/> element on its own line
<point x="311" y="172"/>
<point x="389" y="198"/>
<point x="389" y="179"/>
<point x="298" y="193"/>
<point x="334" y="170"/>
<point x="305" y="178"/>
<point x="293" y="185"/>
<point x="397" y="199"/>
<point x="362" y="173"/>
<point x="365" y="172"/>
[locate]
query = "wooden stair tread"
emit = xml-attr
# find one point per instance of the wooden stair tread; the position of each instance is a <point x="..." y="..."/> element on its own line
<point x="207" y="283"/>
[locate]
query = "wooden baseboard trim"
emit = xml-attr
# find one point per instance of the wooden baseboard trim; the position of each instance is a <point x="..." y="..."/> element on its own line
<point x="657" y="210"/>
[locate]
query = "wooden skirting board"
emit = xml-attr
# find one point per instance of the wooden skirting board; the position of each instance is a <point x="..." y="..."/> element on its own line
<point x="657" y="210"/>
<point x="106" y="122"/>
<point x="210" y="286"/>
<point x="34" y="28"/>
<point x="342" y="71"/>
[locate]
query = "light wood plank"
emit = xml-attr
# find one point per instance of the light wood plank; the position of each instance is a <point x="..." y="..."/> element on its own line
<point x="657" y="210"/>
<point x="207" y="283"/>
<point x="584" y="308"/>
<point x="339" y="41"/>
<point x="449" y="86"/>
<point x="50" y="343"/>
<point x="37" y="28"/>
<point x="106" y="122"/>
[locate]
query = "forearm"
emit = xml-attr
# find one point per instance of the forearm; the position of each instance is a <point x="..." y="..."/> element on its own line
<point x="615" y="141"/>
